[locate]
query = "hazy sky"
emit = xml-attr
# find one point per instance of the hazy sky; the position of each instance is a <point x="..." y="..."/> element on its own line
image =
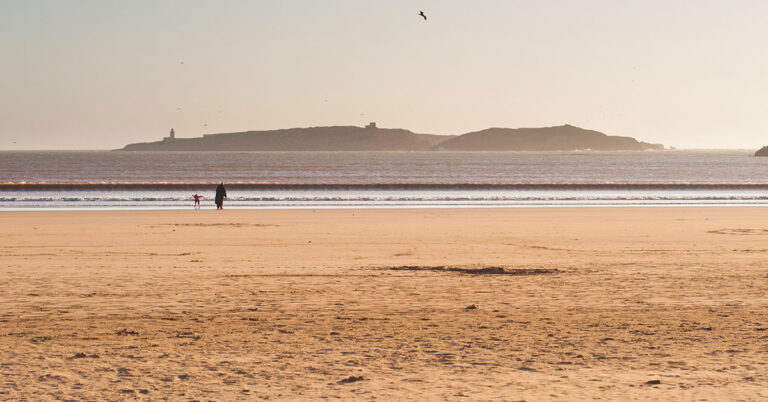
<point x="99" y="74"/>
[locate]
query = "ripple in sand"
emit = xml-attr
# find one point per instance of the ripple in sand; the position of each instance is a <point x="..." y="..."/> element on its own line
<point x="480" y="271"/>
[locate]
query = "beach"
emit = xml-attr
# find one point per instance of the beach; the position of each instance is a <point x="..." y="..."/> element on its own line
<point x="396" y="304"/>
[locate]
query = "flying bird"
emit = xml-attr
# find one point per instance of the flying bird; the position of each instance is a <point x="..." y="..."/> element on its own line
<point x="421" y="13"/>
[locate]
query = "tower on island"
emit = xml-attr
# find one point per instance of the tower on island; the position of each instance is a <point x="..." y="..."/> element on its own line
<point x="371" y="125"/>
<point x="171" y="136"/>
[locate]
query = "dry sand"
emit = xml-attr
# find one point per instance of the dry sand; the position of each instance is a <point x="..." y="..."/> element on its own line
<point x="288" y="304"/>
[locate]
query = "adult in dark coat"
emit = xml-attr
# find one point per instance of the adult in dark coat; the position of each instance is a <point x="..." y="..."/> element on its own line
<point x="221" y="194"/>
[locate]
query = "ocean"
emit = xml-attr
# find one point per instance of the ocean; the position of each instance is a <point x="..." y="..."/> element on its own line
<point x="66" y="180"/>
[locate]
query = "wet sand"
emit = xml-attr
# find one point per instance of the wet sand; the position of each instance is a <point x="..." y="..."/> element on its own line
<point x="463" y="304"/>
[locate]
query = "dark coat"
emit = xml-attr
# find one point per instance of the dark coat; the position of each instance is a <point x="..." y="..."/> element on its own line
<point x="221" y="193"/>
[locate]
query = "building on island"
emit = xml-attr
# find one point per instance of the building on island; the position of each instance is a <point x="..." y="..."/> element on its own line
<point x="371" y="125"/>
<point x="171" y="136"/>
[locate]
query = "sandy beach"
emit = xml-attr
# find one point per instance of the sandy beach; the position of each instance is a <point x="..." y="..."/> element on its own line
<point x="433" y="304"/>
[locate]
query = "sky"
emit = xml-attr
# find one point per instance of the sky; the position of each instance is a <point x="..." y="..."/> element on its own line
<point x="98" y="74"/>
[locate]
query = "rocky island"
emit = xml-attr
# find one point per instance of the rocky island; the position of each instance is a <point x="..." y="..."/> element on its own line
<point x="333" y="138"/>
<point x="373" y="138"/>
<point x="762" y="151"/>
<point x="560" y="138"/>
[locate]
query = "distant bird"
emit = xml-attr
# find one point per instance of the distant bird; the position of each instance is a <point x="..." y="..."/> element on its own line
<point x="421" y="13"/>
<point x="205" y="125"/>
<point x="182" y="62"/>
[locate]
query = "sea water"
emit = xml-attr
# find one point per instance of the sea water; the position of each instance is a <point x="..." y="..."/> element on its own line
<point x="33" y="180"/>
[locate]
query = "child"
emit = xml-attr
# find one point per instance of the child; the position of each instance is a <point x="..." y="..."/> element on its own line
<point x="197" y="201"/>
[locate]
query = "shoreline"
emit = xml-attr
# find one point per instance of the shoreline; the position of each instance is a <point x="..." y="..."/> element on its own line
<point x="387" y="207"/>
<point x="405" y="209"/>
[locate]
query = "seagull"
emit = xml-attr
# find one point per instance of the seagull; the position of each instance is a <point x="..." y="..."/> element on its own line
<point x="421" y="13"/>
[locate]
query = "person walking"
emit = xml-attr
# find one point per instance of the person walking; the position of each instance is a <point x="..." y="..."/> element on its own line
<point x="221" y="194"/>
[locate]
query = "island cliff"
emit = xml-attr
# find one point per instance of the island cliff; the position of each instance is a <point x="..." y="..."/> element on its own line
<point x="762" y="151"/>
<point x="372" y="138"/>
